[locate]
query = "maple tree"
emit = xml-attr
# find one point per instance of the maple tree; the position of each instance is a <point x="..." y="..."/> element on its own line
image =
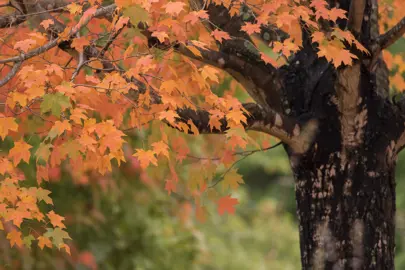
<point x="81" y="75"/>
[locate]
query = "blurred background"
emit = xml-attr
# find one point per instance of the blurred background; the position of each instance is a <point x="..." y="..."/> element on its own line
<point x="126" y="220"/>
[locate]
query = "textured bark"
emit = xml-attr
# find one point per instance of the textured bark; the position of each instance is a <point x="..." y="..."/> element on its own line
<point x="346" y="195"/>
<point x="340" y="129"/>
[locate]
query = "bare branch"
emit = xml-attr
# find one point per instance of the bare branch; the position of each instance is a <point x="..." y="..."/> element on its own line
<point x="23" y="13"/>
<point x="392" y="35"/>
<point x="356" y="14"/>
<point x="103" y="11"/>
<point x="11" y="20"/>
<point x="11" y="74"/>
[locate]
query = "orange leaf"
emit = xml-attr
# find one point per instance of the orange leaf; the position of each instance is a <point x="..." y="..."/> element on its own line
<point x="44" y="241"/>
<point x="59" y="127"/>
<point x="174" y="8"/>
<point x="251" y="28"/>
<point x="268" y="60"/>
<point x="145" y="157"/>
<point x="19" y="152"/>
<point x="170" y="116"/>
<point x="46" y="23"/>
<point x="194" y="16"/>
<point x="220" y="35"/>
<point x="56" y="220"/>
<point x="161" y="148"/>
<point x="15" y="238"/>
<point x="25" y="45"/>
<point x="161" y="36"/>
<point x="80" y="43"/>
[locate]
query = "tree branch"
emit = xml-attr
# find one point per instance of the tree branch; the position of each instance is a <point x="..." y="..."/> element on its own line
<point x="297" y="137"/>
<point x="11" y="74"/>
<point x="356" y="14"/>
<point x="20" y="16"/>
<point x="388" y="38"/>
<point x="257" y="77"/>
<point x="99" y="13"/>
<point x="267" y="84"/>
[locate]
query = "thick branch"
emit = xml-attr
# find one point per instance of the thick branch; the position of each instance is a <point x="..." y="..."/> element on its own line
<point x="356" y="14"/>
<point x="254" y="79"/>
<point x="257" y="78"/>
<point x="266" y="84"/>
<point x="392" y="35"/>
<point x="290" y="132"/>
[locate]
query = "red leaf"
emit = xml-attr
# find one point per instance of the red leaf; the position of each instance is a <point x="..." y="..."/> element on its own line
<point x="227" y="204"/>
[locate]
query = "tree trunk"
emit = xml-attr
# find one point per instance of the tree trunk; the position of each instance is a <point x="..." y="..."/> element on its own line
<point x="346" y="208"/>
<point x="345" y="183"/>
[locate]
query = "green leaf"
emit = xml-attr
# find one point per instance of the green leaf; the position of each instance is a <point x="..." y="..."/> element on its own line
<point x="28" y="240"/>
<point x="55" y="103"/>
<point x="57" y="236"/>
<point x="136" y="14"/>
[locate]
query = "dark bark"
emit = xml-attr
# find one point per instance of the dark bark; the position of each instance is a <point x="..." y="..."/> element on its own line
<point x="346" y="200"/>
<point x="340" y="130"/>
<point x="345" y="183"/>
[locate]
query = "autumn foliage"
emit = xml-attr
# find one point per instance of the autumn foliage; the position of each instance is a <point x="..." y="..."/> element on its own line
<point x="83" y="75"/>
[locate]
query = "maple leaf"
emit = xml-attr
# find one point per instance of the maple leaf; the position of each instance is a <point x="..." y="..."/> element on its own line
<point x="145" y="157"/>
<point x="65" y="247"/>
<point x="46" y="23"/>
<point x="169" y="115"/>
<point x="251" y="28"/>
<point x="170" y="186"/>
<point x="236" y="116"/>
<point x="19" y="152"/>
<point x="54" y="103"/>
<point x="57" y="235"/>
<point x="44" y="241"/>
<point x="57" y="70"/>
<point x="232" y="180"/>
<point x="208" y="72"/>
<point x="15" y="238"/>
<point x="161" y="36"/>
<point x="168" y="86"/>
<point x="28" y="240"/>
<point x="318" y="37"/>
<point x="25" y="45"/>
<point x="17" y="97"/>
<point x="160" y="148"/>
<point x="92" y="79"/>
<point x="74" y="8"/>
<point x="43" y="195"/>
<point x="56" y="220"/>
<point x="121" y="23"/>
<point x="59" y="128"/>
<point x="174" y="8"/>
<point x="194" y="16"/>
<point x="336" y="13"/>
<point x="220" y="35"/>
<point x="43" y="152"/>
<point x="268" y="60"/>
<point x="195" y="51"/>
<point x="80" y="43"/>
<point x="227" y="204"/>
